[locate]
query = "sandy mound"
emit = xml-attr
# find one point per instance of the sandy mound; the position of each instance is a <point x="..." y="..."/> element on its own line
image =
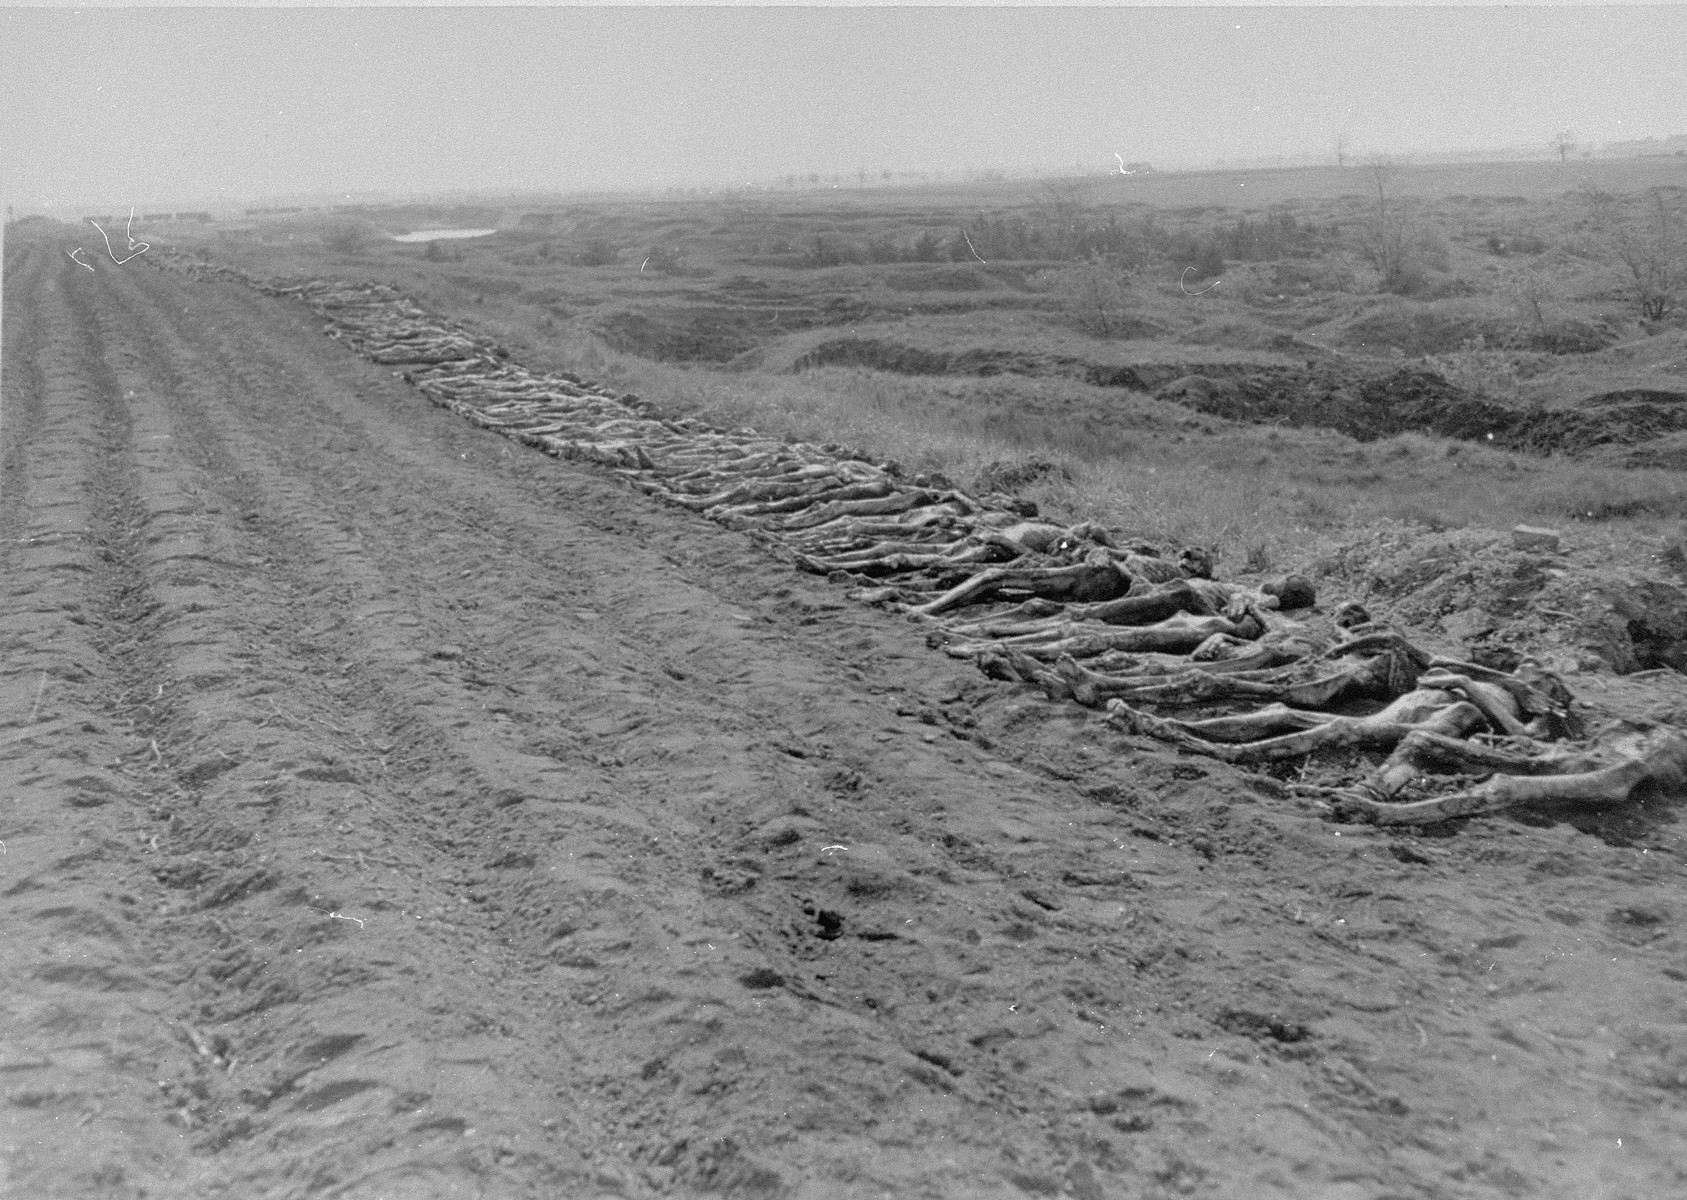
<point x="1497" y="603"/>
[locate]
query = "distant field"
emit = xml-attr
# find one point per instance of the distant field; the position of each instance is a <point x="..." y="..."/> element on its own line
<point x="1156" y="338"/>
<point x="1295" y="185"/>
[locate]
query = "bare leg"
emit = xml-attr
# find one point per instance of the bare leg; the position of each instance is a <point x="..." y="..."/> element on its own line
<point x="1425" y="753"/>
<point x="1658" y="756"/>
<point x="1165" y="601"/>
<point x="1198" y="686"/>
<point x="1082" y="579"/>
<point x="1381" y="731"/>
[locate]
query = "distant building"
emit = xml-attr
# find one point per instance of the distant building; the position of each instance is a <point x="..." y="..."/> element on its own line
<point x="155" y="216"/>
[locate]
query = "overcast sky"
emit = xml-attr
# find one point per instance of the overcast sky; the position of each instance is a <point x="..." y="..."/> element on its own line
<point x="156" y="106"/>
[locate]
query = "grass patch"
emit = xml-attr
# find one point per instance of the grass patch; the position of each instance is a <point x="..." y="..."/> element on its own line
<point x="1257" y="496"/>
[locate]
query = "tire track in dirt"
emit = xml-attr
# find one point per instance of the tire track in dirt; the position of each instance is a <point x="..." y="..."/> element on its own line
<point x="586" y="801"/>
<point x="86" y="1031"/>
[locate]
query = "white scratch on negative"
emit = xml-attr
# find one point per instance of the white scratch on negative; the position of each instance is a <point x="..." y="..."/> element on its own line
<point x="126" y="233"/>
<point x="337" y="916"/>
<point x="1202" y="292"/>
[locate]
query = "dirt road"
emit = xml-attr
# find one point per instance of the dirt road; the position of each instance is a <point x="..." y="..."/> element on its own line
<point x="390" y="811"/>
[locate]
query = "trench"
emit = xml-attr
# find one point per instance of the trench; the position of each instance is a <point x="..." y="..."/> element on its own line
<point x="1365" y="405"/>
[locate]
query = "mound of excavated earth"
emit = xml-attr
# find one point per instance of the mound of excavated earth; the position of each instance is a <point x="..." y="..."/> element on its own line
<point x="1409" y="399"/>
<point x="1360" y="401"/>
<point x="1498" y="597"/>
<point x="391" y="809"/>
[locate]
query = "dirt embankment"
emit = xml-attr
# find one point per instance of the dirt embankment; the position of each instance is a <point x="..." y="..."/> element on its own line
<point x="1572" y="609"/>
<point x="911" y="360"/>
<point x="393" y="811"/>
<point x="1362" y="403"/>
<point x="1409" y="400"/>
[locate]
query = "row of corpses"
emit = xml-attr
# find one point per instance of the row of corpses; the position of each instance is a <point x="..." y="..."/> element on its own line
<point x="1397" y="736"/>
<point x="1458" y="739"/>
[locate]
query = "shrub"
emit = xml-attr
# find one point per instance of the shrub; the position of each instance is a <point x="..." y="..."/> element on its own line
<point x="669" y="260"/>
<point x="598" y="252"/>
<point x="1208" y="261"/>
<point x="345" y="238"/>
<point x="1654" y="249"/>
<point x="1475" y="368"/>
<point x="955" y="278"/>
<point x="1572" y="337"/>
<point x="883" y="249"/>
<point x="1406" y="279"/>
<point x="1323" y="275"/>
<point x="1094" y="294"/>
<point x="1518" y="243"/>
<point x="1387" y="239"/>
<point x="1422" y="512"/>
<point x="1585" y="495"/>
<point x="1063" y="233"/>
<point x="926" y="248"/>
<point x="1453" y="289"/>
<point x="1673" y="553"/>
<point x="830" y="252"/>
<point x="1275" y="236"/>
<point x="1429" y="248"/>
<point x="1012" y="475"/>
<point x="1530" y="291"/>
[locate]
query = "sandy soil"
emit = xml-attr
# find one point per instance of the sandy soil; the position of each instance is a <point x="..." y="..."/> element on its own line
<point x="389" y="811"/>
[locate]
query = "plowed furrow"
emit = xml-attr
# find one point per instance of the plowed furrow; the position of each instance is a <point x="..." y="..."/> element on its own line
<point x="89" y="1032"/>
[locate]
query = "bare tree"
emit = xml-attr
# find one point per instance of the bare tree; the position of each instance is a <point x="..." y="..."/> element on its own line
<point x="1341" y="151"/>
<point x="1653" y="247"/>
<point x="1095" y="292"/>
<point x="1381" y="170"/>
<point x="1603" y="212"/>
<point x="1530" y="290"/>
<point x="1383" y="235"/>
<point x="1566" y="142"/>
<point x="1060" y="206"/>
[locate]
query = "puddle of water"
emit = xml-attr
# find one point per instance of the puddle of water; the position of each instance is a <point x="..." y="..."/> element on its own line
<point x="434" y="235"/>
